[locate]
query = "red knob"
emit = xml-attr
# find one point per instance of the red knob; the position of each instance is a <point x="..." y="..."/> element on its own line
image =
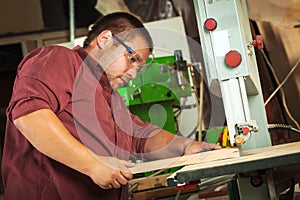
<point x="233" y="58"/>
<point x="246" y="130"/>
<point x="210" y="24"/>
<point x="258" y="42"/>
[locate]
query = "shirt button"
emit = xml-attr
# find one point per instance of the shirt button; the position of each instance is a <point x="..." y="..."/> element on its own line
<point x="119" y="129"/>
<point x="105" y="86"/>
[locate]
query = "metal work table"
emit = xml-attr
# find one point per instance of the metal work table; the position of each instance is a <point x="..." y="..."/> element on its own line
<point x="256" y="159"/>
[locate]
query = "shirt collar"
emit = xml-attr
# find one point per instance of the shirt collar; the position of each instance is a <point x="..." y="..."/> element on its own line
<point x="94" y="66"/>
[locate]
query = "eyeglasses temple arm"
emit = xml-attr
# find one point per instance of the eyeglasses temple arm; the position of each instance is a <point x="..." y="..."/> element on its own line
<point x="128" y="48"/>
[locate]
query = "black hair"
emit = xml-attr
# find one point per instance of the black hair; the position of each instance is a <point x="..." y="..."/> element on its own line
<point x="118" y="22"/>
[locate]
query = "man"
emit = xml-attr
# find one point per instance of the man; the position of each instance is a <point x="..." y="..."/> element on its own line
<point x="69" y="134"/>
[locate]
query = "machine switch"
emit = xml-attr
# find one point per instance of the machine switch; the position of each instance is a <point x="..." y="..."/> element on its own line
<point x="210" y="24"/>
<point x="246" y="130"/>
<point x="233" y="58"/>
<point x="258" y="42"/>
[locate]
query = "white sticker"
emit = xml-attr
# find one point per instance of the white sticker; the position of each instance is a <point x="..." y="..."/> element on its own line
<point x="221" y="43"/>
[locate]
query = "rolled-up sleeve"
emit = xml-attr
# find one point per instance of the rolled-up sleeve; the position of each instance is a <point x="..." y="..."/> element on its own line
<point x="30" y="95"/>
<point x="44" y="80"/>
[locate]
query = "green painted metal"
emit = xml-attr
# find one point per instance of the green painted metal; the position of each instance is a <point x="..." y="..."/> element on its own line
<point x="153" y="93"/>
<point x="212" y="135"/>
<point x="160" y="114"/>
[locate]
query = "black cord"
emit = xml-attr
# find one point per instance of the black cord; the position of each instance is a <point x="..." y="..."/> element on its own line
<point x="175" y="9"/>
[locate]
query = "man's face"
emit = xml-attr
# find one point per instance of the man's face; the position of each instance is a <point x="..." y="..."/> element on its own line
<point x="126" y="66"/>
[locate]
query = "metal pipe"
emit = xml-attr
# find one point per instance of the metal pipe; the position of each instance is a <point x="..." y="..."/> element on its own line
<point x="201" y="99"/>
<point x="71" y="21"/>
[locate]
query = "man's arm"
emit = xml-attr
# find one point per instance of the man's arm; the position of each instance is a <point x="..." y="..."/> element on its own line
<point x="166" y="145"/>
<point x="46" y="133"/>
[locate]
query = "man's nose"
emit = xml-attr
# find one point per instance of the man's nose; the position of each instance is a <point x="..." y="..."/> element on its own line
<point x="133" y="72"/>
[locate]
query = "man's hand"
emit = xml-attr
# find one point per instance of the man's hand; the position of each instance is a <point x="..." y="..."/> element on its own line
<point x="111" y="172"/>
<point x="196" y="147"/>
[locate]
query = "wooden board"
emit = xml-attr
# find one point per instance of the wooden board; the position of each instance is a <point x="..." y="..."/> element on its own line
<point x="203" y="157"/>
<point x="152" y="182"/>
<point x="256" y="159"/>
<point x="161" y="193"/>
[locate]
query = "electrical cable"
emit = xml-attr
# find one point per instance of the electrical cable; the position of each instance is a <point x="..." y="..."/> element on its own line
<point x="283" y="82"/>
<point x="282" y="126"/>
<point x="179" y="132"/>
<point x="192" y="132"/>
<point x="182" y="106"/>
<point x="280" y="87"/>
<point x="146" y="66"/>
<point x="177" y="13"/>
<point x="200" y="97"/>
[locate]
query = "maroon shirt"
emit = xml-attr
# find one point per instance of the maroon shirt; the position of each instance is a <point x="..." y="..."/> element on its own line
<point x="77" y="90"/>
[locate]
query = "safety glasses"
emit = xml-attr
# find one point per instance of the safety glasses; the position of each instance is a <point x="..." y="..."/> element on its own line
<point x="133" y="56"/>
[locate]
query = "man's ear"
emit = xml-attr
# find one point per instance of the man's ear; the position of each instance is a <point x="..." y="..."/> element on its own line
<point x="103" y="39"/>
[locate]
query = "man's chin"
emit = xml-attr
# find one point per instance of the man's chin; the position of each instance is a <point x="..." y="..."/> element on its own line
<point x="117" y="85"/>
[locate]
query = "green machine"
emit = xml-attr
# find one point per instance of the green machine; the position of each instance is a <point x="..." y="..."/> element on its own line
<point x="154" y="93"/>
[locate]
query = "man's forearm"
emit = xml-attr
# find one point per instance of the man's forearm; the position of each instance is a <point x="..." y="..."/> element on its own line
<point x="46" y="133"/>
<point x="165" y="145"/>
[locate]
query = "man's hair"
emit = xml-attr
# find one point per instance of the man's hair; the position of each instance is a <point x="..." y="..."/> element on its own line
<point x="118" y="22"/>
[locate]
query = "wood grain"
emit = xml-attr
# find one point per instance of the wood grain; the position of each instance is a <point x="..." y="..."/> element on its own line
<point x="204" y="157"/>
<point x="250" y="156"/>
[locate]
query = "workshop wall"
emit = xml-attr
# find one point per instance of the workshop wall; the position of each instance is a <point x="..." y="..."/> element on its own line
<point x="20" y="16"/>
<point x="281" y="31"/>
